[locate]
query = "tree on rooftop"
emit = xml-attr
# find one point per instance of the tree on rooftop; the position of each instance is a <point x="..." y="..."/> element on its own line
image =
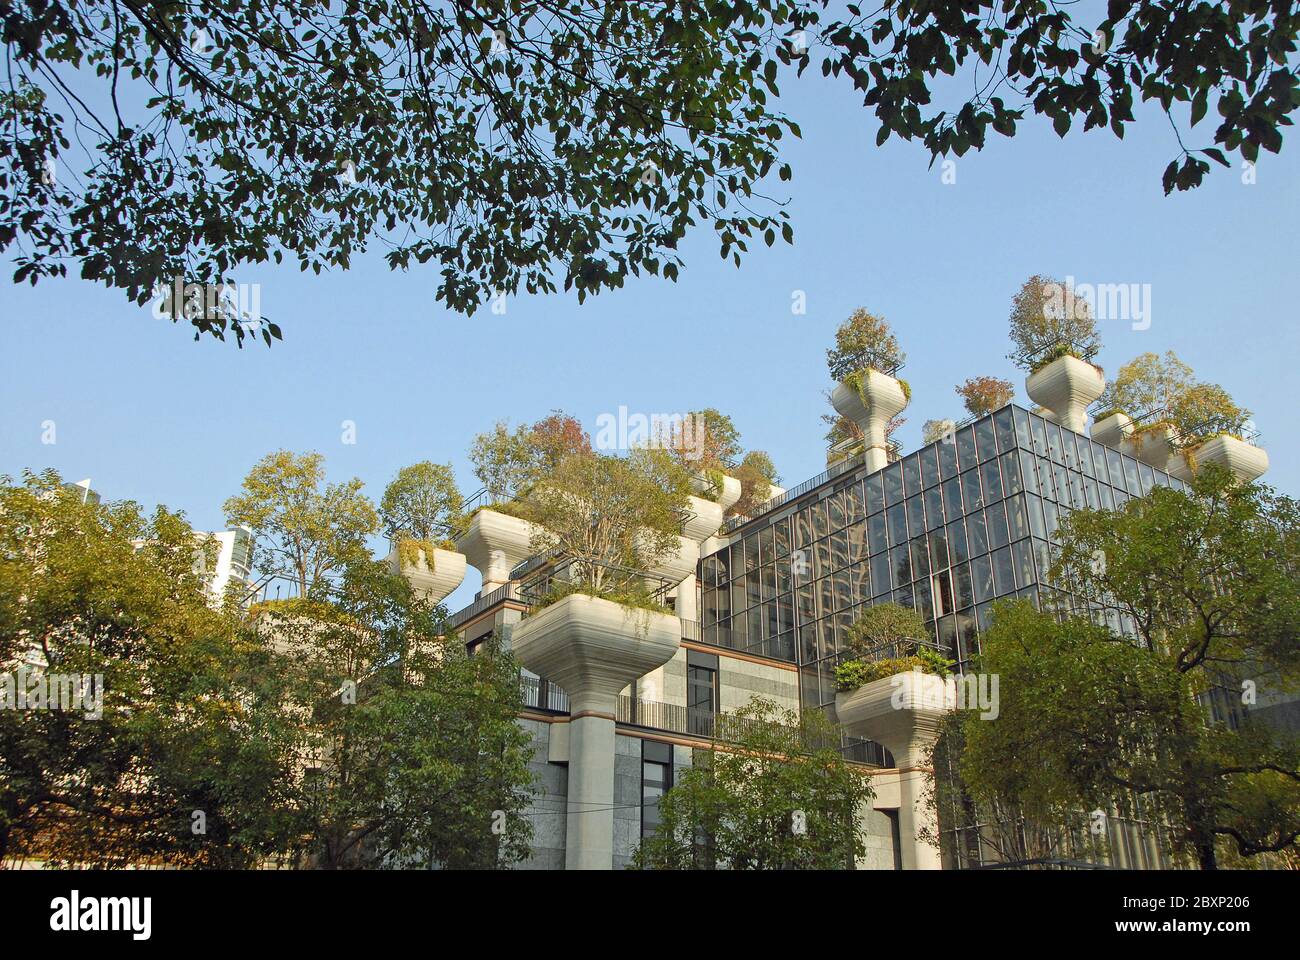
<point x="983" y="395"/>
<point x="1150" y="384"/>
<point x="421" y="503"/>
<point x="509" y="462"/>
<point x="757" y="475"/>
<point x="614" y="517"/>
<point x="1048" y="321"/>
<point x="863" y="341"/>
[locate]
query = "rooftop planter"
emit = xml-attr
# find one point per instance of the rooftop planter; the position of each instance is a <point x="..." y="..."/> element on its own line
<point x="1243" y="460"/>
<point x="594" y="647"/>
<point x="871" y="399"/>
<point x="902" y="712"/>
<point x="495" y="543"/>
<point x="1154" y="444"/>
<point x="705" y="519"/>
<point x="717" y="487"/>
<point x="1065" y="388"/>
<point x="679" y="564"/>
<point x="1111" y="428"/>
<point x="432" y="571"/>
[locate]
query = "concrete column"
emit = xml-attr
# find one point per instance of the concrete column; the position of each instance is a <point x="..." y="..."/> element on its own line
<point x="871" y="404"/>
<point x="590" y="815"/>
<point x="903" y="713"/>
<point x="593" y="648"/>
<point x="688" y="607"/>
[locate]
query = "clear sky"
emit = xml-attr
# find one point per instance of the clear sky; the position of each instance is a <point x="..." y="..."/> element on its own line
<point x="151" y="415"/>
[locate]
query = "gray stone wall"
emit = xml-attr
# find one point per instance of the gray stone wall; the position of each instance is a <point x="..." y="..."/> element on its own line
<point x="879" y="840"/>
<point x="548" y="807"/>
<point x="740" y="680"/>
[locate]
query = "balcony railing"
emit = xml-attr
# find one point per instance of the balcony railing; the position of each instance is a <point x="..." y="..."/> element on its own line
<point x="837" y="469"/>
<point x="509" y="591"/>
<point x="541" y="694"/>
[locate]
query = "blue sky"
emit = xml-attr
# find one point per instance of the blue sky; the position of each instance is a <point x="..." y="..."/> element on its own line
<point x="153" y="416"/>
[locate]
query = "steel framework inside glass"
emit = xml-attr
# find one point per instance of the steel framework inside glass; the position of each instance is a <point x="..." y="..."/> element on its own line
<point x="947" y="530"/>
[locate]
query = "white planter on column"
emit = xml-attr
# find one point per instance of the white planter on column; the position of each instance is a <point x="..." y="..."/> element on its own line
<point x="494" y="544"/>
<point x="725" y="497"/>
<point x="1065" y="387"/>
<point x="593" y="648"/>
<point x="871" y="407"/>
<point x="1112" y="429"/>
<point x="706" y="519"/>
<point x="677" y="564"/>
<point x="1245" y="460"/>
<point x="1154" y="445"/>
<point x="432" y="577"/>
<point x="902" y="713"/>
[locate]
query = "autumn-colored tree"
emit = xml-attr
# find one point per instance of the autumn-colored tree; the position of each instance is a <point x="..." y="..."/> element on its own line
<point x="983" y="395"/>
<point x="757" y="475"/>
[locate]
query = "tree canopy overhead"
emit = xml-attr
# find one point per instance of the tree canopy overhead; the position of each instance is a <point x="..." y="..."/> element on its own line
<point x="538" y="144"/>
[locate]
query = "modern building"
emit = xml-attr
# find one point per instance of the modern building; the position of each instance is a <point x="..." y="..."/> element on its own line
<point x="947" y="529"/>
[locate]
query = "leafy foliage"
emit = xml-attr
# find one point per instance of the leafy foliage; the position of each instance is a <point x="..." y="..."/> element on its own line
<point x="603" y="511"/>
<point x="529" y="145"/>
<point x="885" y="626"/>
<point x="933" y="431"/>
<point x="518" y="146"/>
<point x="410" y="748"/>
<point x="852" y="674"/>
<point x="303" y="528"/>
<point x="757" y="475"/>
<point x="508" y="463"/>
<point x="864" y="341"/>
<point x="1197" y="410"/>
<point x="1209" y="580"/>
<point x="189" y="719"/>
<point x="422" y="502"/>
<point x="780" y="798"/>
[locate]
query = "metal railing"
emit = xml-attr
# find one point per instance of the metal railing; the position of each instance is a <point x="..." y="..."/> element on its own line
<point x="541" y="694"/>
<point x="574" y="570"/>
<point x="837" y="469"/>
<point x="508" y="592"/>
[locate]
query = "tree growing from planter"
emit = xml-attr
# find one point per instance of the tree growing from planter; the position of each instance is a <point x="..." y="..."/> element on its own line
<point x="781" y="797"/>
<point x="1046" y="324"/>
<point x="863" y="342"/>
<point x="508" y="462"/>
<point x="1150" y="384"/>
<point x="983" y="395"/>
<point x="303" y="528"/>
<point x="757" y="474"/>
<point x="608" y="514"/>
<point x="1208" y="579"/>
<point x="422" y="505"/>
